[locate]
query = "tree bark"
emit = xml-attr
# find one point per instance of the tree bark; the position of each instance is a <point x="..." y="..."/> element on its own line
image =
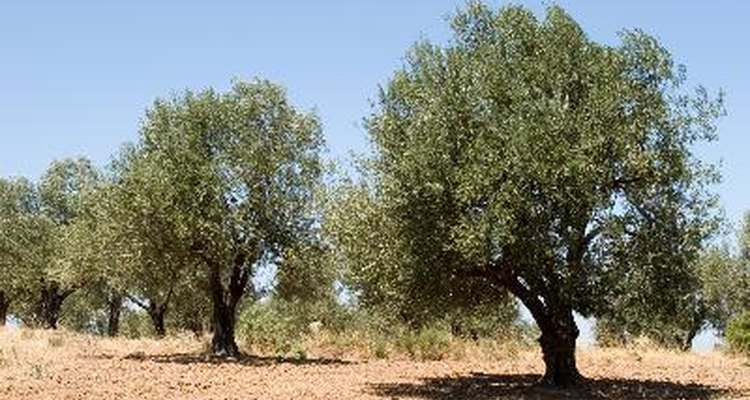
<point x="558" y="342"/>
<point x="4" y="304"/>
<point x="51" y="302"/>
<point x="225" y="303"/>
<point x="223" y="343"/>
<point x="114" y="308"/>
<point x="155" y="311"/>
<point x="559" y="333"/>
<point x="157" y="314"/>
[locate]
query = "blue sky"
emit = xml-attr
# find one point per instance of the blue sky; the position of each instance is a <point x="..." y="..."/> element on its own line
<point x="76" y="77"/>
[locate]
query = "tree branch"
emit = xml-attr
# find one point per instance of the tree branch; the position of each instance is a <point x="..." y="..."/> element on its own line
<point x="139" y="303"/>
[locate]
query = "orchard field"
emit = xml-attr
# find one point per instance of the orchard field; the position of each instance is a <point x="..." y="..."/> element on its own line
<point x="63" y="365"/>
<point x="519" y="175"/>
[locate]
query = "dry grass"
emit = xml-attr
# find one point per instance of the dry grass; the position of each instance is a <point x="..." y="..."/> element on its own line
<point x="62" y="365"/>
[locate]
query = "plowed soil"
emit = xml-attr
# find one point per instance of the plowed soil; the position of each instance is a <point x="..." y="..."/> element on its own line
<point x="43" y="365"/>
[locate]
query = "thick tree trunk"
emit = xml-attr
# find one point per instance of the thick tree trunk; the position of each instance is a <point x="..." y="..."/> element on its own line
<point x="157" y="314"/>
<point x="559" y="333"/>
<point x="223" y="343"/>
<point x="50" y="304"/>
<point x="114" y="308"/>
<point x="558" y="341"/>
<point x="4" y="304"/>
<point x="225" y="303"/>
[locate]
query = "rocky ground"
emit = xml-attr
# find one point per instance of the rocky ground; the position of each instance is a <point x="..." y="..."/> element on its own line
<point x="43" y="365"/>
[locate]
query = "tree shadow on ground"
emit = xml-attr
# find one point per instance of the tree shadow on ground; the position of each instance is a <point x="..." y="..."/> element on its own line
<point x="243" y="359"/>
<point x="522" y="387"/>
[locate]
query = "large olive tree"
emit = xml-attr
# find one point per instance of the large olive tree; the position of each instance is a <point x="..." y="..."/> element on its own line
<point x="543" y="162"/>
<point x="225" y="183"/>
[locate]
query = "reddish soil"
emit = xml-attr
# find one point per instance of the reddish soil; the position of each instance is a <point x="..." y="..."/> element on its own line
<point x="43" y="365"/>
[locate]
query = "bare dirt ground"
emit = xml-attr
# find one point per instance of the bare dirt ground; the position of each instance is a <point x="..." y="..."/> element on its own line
<point x="59" y="365"/>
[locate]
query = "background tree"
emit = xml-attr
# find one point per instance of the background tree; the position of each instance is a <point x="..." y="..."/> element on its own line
<point x="526" y="156"/>
<point x="707" y="294"/>
<point x="727" y="286"/>
<point x="63" y="191"/>
<point x="24" y="245"/>
<point x="235" y="173"/>
<point x="155" y="258"/>
<point x="372" y="251"/>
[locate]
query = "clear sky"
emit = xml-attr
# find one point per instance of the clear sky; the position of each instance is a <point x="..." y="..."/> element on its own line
<point x="76" y="76"/>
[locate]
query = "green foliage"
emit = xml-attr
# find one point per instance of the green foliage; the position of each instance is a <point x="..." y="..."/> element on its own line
<point x="63" y="186"/>
<point x="525" y="157"/>
<point x="136" y="324"/>
<point x="307" y="274"/>
<point x="715" y="288"/>
<point x="430" y="343"/>
<point x="85" y="311"/>
<point x="725" y="286"/>
<point x="190" y="309"/>
<point x="738" y="333"/>
<point x="271" y="326"/>
<point x="222" y="182"/>
<point x="25" y="242"/>
<point x="372" y="255"/>
<point x="38" y="224"/>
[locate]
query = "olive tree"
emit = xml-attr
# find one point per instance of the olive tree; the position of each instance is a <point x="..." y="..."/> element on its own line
<point x="146" y="238"/>
<point x="542" y="162"/>
<point x="24" y="244"/>
<point x="228" y="178"/>
<point x="50" y="209"/>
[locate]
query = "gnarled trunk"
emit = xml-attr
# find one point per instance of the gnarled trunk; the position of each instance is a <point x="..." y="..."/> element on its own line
<point x="223" y="343"/>
<point x="114" y="308"/>
<point x="157" y="314"/>
<point x="558" y="342"/>
<point x="225" y="303"/>
<point x="51" y="302"/>
<point x="4" y="304"/>
<point x="559" y="334"/>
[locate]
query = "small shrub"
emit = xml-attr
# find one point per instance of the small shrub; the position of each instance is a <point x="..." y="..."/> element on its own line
<point x="28" y="334"/>
<point x="428" y="343"/>
<point x="379" y="348"/>
<point x="300" y="351"/>
<point x="36" y="370"/>
<point x="433" y="343"/>
<point x="263" y="327"/>
<point x="135" y="324"/>
<point x="55" y="341"/>
<point x="738" y="334"/>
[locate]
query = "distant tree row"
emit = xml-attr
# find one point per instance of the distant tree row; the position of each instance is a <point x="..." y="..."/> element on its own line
<point x="520" y="162"/>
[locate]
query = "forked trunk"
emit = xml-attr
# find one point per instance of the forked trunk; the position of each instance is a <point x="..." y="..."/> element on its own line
<point x="50" y="304"/>
<point x="4" y="304"/>
<point x="558" y="341"/>
<point x="225" y="301"/>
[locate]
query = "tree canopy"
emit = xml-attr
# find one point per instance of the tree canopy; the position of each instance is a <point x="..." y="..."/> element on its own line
<point x="526" y="156"/>
<point x="223" y="182"/>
